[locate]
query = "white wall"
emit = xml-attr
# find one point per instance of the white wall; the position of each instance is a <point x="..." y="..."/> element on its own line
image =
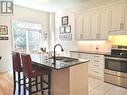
<point x="5" y="46"/>
<point x="30" y="15"/>
<point x="21" y="14"/>
<point x="67" y="45"/>
<point x="52" y="31"/>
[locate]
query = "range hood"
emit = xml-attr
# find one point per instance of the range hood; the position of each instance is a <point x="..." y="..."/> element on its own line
<point x="118" y="32"/>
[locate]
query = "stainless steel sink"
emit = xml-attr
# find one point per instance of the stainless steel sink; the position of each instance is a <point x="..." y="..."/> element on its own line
<point x="65" y="59"/>
<point x="58" y="58"/>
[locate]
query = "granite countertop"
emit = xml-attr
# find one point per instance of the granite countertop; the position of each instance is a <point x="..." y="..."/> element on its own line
<point x="41" y="60"/>
<point x="92" y="52"/>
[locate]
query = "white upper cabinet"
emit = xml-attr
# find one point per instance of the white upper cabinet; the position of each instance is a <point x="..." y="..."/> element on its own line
<point x="125" y="15"/>
<point x="104" y="24"/>
<point x="116" y="17"/>
<point x="94" y="25"/>
<point x="86" y="26"/>
<point x="79" y="27"/>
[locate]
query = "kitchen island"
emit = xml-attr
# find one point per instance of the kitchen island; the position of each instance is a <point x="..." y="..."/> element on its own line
<point x="68" y="77"/>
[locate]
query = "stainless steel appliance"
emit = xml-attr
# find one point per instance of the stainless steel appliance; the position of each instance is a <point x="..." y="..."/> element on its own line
<point x="116" y="66"/>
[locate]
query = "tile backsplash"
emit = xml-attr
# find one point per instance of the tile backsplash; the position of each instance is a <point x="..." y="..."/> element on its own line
<point x="103" y="46"/>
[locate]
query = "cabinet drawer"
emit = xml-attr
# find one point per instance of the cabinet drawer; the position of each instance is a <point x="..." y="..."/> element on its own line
<point x="97" y="66"/>
<point x="98" y="57"/>
<point x="96" y="72"/>
<point x="97" y="62"/>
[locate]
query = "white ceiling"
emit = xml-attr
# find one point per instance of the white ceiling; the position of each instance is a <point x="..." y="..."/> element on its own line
<point x="48" y="5"/>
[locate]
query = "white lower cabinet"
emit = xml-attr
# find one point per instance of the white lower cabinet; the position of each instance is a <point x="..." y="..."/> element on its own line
<point x="95" y="66"/>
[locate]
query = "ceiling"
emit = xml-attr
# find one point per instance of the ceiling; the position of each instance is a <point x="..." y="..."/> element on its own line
<point x="48" y="5"/>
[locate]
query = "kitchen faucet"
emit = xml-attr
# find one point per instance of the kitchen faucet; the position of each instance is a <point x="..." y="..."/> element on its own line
<point x="54" y="57"/>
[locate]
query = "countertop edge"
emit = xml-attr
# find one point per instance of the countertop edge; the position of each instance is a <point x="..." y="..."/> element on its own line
<point x="92" y="52"/>
<point x="36" y="63"/>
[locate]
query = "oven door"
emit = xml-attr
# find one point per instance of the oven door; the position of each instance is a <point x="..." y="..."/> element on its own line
<point x="116" y="64"/>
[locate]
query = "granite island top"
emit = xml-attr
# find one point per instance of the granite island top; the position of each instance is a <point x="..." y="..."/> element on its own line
<point x="92" y="52"/>
<point x="41" y="60"/>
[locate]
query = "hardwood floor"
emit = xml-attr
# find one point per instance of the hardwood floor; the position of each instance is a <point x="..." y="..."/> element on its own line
<point x="6" y="84"/>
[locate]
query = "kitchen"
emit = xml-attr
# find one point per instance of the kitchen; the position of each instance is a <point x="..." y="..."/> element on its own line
<point x="95" y="26"/>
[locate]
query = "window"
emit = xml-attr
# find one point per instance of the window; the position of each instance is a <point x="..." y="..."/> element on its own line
<point x="27" y="37"/>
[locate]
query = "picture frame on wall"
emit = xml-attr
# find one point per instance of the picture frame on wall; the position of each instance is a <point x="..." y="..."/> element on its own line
<point x="3" y="30"/>
<point x="65" y="20"/>
<point x="68" y="29"/>
<point x="62" y="29"/>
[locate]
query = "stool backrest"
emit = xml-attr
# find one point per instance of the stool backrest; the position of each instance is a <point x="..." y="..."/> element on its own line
<point x="27" y="64"/>
<point x="16" y="61"/>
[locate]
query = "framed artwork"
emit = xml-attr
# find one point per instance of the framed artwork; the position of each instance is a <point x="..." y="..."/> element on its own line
<point x="65" y="20"/>
<point x="65" y="37"/>
<point x="68" y="29"/>
<point x="62" y="29"/>
<point x="3" y="30"/>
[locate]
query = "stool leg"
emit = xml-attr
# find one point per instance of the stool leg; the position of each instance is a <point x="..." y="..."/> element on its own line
<point x="49" y="84"/>
<point x="19" y="83"/>
<point x="30" y="86"/>
<point x="14" y="81"/>
<point x="36" y="84"/>
<point x="24" y="83"/>
<point x="42" y="92"/>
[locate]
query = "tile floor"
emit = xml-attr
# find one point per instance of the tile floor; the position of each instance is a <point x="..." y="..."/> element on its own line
<point x="98" y="87"/>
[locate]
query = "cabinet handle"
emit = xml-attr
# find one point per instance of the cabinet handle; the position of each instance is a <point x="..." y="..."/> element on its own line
<point x="96" y="56"/>
<point x="95" y="71"/>
<point x="96" y="61"/>
<point x="96" y="65"/>
<point x="97" y="35"/>
<point x="81" y="36"/>
<point x="78" y="55"/>
<point x="121" y="26"/>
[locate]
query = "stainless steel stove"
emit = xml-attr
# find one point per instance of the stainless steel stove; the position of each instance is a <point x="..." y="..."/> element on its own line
<point x="116" y="66"/>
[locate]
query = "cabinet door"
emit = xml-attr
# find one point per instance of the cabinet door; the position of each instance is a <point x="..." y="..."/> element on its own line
<point x="116" y="17"/>
<point x="79" y="27"/>
<point x="86" y="26"/>
<point x="125" y="15"/>
<point x="94" y="26"/>
<point x="104" y="24"/>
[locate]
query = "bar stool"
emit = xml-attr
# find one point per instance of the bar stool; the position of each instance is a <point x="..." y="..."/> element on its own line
<point x="16" y="68"/>
<point x="33" y="72"/>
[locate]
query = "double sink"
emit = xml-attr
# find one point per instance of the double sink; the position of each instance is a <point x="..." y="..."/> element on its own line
<point x="65" y="59"/>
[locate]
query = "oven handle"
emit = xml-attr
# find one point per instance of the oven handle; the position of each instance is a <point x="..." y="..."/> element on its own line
<point x="119" y="59"/>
